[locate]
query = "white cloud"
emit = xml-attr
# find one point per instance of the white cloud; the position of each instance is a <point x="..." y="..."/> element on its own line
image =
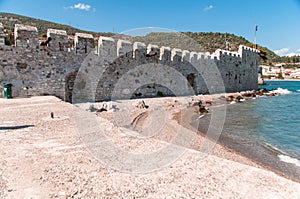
<point x="291" y="54"/>
<point x="81" y="6"/>
<point x="207" y="8"/>
<point x="282" y="52"/>
<point x="287" y="52"/>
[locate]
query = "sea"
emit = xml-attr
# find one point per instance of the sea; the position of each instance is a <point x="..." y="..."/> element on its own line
<point x="273" y="122"/>
<point x="264" y="129"/>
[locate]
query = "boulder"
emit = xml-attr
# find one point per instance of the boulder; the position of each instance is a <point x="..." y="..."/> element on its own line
<point x="141" y="104"/>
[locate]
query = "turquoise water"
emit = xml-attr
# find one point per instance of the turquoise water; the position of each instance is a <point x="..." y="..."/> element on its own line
<point x="271" y="120"/>
<point x="281" y="117"/>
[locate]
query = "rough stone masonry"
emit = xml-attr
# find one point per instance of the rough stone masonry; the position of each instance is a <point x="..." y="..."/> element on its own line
<point x="116" y="69"/>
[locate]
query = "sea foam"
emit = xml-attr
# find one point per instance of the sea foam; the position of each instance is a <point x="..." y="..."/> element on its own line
<point x="281" y="91"/>
<point x="288" y="159"/>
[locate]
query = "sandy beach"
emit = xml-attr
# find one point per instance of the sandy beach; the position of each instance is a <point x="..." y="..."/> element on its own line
<point x="67" y="157"/>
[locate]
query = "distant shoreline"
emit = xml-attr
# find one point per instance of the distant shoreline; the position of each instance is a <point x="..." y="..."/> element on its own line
<point x="281" y="79"/>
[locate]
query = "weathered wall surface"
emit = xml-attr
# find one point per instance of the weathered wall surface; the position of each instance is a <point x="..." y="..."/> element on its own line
<point x="2" y="40"/>
<point x="34" y="72"/>
<point x="119" y="69"/>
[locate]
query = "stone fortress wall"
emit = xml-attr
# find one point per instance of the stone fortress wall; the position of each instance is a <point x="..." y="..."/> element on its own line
<point x="51" y="70"/>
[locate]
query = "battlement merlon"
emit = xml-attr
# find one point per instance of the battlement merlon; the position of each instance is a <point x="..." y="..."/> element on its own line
<point x="242" y="47"/>
<point x="153" y="51"/>
<point x="83" y="42"/>
<point x="176" y="55"/>
<point x="2" y="40"/>
<point x="202" y="55"/>
<point x="165" y="54"/>
<point x="107" y="47"/>
<point x="51" y="32"/>
<point x="139" y="50"/>
<point x="186" y="55"/>
<point x="25" y="36"/>
<point x="59" y="40"/>
<point x="124" y="48"/>
<point x="193" y="57"/>
<point x="21" y="27"/>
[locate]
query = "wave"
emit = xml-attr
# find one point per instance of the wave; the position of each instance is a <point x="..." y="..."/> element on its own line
<point x="298" y="90"/>
<point x="281" y="91"/>
<point x="273" y="149"/>
<point x="284" y="157"/>
<point x="288" y="159"/>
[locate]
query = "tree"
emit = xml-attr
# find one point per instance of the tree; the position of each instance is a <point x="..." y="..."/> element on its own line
<point x="280" y="76"/>
<point x="263" y="54"/>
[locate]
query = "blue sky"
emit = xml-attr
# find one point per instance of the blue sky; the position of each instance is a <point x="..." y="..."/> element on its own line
<point x="277" y="20"/>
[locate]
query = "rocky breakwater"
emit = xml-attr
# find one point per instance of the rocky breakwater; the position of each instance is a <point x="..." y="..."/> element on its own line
<point x="202" y="104"/>
<point x="242" y="96"/>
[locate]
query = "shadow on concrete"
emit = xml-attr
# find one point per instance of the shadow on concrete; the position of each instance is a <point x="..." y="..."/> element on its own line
<point x="14" y="127"/>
